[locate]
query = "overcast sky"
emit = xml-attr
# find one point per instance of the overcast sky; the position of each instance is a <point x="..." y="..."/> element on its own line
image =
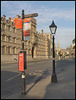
<point x="62" y="12"/>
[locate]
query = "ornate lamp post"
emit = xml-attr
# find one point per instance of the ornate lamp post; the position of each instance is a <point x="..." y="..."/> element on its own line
<point x="53" y="28"/>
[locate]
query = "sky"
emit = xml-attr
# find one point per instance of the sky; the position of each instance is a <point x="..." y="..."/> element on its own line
<point x="62" y="12"/>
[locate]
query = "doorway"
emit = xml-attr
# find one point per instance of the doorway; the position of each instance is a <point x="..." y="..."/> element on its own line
<point x="33" y="52"/>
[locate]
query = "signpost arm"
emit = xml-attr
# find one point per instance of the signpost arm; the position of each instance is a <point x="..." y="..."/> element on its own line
<point x="31" y="15"/>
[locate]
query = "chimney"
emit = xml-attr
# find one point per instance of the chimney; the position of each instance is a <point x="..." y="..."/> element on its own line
<point x="17" y="16"/>
<point x="4" y="16"/>
<point x="10" y="18"/>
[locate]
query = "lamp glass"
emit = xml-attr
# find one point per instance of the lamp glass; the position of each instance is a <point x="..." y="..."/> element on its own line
<point x="53" y="30"/>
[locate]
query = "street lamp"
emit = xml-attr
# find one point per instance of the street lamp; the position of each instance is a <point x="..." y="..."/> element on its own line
<point x="53" y="28"/>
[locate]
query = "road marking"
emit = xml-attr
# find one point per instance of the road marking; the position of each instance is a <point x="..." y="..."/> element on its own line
<point x="13" y="77"/>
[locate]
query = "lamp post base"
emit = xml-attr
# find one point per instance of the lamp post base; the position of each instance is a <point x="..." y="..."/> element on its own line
<point x="54" y="78"/>
<point x="23" y="93"/>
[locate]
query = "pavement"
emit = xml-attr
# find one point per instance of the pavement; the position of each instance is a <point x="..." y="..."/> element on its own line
<point x="44" y="89"/>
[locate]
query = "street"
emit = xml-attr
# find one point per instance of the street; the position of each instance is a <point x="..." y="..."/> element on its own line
<point x="11" y="81"/>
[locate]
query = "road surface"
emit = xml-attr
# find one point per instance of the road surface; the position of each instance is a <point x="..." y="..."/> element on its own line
<point x="11" y="81"/>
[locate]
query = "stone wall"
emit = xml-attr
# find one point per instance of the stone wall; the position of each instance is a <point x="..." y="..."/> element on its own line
<point x="9" y="58"/>
<point x="12" y="58"/>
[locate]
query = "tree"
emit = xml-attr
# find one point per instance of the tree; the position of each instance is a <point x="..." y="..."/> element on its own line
<point x="73" y="41"/>
<point x="59" y="53"/>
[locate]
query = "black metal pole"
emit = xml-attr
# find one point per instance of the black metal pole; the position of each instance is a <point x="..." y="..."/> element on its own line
<point x="23" y="73"/>
<point x="54" y="77"/>
<point x="22" y="29"/>
<point x="23" y="83"/>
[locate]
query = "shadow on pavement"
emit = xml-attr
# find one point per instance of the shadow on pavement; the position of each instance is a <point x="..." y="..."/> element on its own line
<point x="65" y="86"/>
<point x="45" y="74"/>
<point x="11" y="82"/>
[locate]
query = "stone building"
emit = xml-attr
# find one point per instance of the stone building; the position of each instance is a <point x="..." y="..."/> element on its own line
<point x="38" y="47"/>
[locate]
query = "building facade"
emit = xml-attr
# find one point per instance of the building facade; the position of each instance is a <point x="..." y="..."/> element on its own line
<point x="38" y="47"/>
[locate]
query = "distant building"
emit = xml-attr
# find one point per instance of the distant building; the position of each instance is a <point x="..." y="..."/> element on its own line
<point x="39" y="46"/>
<point x="58" y="49"/>
<point x="69" y="51"/>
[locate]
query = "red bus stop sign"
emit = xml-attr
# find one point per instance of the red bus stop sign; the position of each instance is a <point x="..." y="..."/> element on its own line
<point x="18" y="23"/>
<point x="21" y="61"/>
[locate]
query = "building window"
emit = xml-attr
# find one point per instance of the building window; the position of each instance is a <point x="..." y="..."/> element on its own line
<point x="8" y="28"/>
<point x="12" y="23"/>
<point x="14" y="40"/>
<point x="8" y="50"/>
<point x="3" y="49"/>
<point x="8" y="38"/>
<point x="14" y="50"/>
<point x="3" y="37"/>
<point x="3" y="27"/>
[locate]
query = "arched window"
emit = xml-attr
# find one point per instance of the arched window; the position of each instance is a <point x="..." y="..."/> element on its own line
<point x="8" y="50"/>
<point x="3" y="49"/>
<point x="8" y="38"/>
<point x="3" y="37"/>
<point x="14" y="50"/>
<point x="14" y="40"/>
